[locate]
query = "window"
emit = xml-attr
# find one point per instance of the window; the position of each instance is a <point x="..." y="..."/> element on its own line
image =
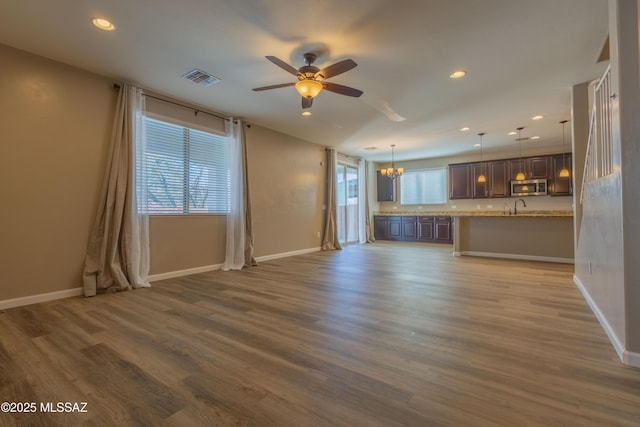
<point x="424" y="187"/>
<point x="187" y="170"/>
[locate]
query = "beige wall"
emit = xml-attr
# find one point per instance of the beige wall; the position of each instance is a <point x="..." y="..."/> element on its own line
<point x="185" y="242"/>
<point x="55" y="122"/>
<point x="608" y="245"/>
<point x="54" y="130"/>
<point x="545" y="237"/>
<point x="286" y="178"/>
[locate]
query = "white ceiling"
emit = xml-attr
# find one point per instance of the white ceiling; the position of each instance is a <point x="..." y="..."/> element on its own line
<point x="522" y="57"/>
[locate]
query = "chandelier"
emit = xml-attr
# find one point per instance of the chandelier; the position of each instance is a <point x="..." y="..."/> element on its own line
<point x="392" y="172"/>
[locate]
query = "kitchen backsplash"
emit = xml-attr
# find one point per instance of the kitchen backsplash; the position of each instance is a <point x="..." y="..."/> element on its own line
<point x="537" y="203"/>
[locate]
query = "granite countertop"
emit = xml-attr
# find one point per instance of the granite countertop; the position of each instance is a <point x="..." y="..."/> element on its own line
<point x="522" y="212"/>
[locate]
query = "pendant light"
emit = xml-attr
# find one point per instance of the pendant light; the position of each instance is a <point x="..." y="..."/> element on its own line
<point x="481" y="177"/>
<point x="520" y="176"/>
<point x="564" y="173"/>
<point x="392" y="172"/>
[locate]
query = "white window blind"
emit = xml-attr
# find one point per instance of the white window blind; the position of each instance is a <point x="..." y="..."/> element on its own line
<point x="424" y="187"/>
<point x="187" y="170"/>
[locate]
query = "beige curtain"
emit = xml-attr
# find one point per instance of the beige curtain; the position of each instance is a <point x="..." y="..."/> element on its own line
<point x="239" y="249"/>
<point x="330" y="238"/>
<point x="118" y="252"/>
<point x="249" y="259"/>
<point x="368" y="225"/>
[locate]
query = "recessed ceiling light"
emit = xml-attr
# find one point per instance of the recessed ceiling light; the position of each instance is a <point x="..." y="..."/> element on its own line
<point x="476" y="145"/>
<point x="464" y="129"/>
<point x="306" y="113"/>
<point x="103" y="24"/>
<point x="512" y="133"/>
<point x="535" y="137"/>
<point x="458" y="74"/>
<point x="537" y="117"/>
<point x="370" y="148"/>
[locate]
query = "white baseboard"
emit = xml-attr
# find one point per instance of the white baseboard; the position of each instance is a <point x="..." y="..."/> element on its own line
<point x="206" y="268"/>
<point x="617" y="344"/>
<point x="187" y="272"/>
<point x="34" y="299"/>
<point x="516" y="256"/>
<point x="287" y="254"/>
<point x="631" y="358"/>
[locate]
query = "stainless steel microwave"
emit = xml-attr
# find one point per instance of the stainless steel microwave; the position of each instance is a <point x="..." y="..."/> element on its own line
<point x="529" y="187"/>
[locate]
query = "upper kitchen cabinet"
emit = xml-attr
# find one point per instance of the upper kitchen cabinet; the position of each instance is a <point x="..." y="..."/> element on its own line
<point x="386" y="188"/>
<point x="532" y="167"/>
<point x="498" y="178"/>
<point x="463" y="180"/>
<point x="459" y="181"/>
<point x="561" y="186"/>
<point x="480" y="189"/>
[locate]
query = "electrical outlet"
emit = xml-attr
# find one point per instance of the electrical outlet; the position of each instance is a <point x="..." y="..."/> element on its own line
<point x="489" y="206"/>
<point x="318" y="234"/>
<point x="477" y="206"/>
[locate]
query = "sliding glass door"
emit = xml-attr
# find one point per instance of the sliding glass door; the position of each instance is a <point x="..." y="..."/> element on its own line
<point x="348" y="203"/>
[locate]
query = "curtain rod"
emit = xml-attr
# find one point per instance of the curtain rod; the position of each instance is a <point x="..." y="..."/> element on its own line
<point x="195" y="110"/>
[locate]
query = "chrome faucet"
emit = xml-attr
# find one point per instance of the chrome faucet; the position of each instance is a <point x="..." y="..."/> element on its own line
<point x="515" y="206"/>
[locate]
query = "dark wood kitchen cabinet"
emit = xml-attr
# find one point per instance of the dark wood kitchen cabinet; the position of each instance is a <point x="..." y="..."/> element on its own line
<point x="499" y="178"/>
<point x="410" y="228"/>
<point x="532" y="167"/>
<point x="386" y="188"/>
<point x="561" y="186"/>
<point x="387" y="227"/>
<point x="443" y="229"/>
<point x="480" y="189"/>
<point x="463" y="180"/>
<point x="426" y="231"/>
<point x="460" y="181"/>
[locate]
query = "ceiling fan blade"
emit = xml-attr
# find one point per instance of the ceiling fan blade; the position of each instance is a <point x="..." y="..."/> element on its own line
<point x="342" y="90"/>
<point x="306" y="102"/>
<point x="257" y="89"/>
<point x="337" y="68"/>
<point x="280" y="63"/>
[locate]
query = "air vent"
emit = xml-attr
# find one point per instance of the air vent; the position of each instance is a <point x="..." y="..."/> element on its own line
<point x="201" y="78"/>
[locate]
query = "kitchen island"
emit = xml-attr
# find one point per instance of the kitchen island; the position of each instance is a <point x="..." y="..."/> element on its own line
<point x="532" y="235"/>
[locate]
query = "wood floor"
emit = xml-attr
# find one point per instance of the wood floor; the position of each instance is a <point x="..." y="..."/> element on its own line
<point x="388" y="334"/>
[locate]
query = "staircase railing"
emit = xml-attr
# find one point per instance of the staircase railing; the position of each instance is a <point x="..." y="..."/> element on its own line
<point x="599" y="156"/>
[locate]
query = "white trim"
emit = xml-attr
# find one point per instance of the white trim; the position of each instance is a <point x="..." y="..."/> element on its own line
<point x="34" y="299"/>
<point x="516" y="256"/>
<point x="617" y="345"/>
<point x="206" y="268"/>
<point x="457" y="253"/>
<point x="187" y="272"/>
<point x="288" y="254"/>
<point x="631" y="358"/>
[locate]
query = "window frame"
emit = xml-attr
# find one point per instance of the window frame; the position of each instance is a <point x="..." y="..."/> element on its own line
<point x="185" y="128"/>
<point x="444" y="176"/>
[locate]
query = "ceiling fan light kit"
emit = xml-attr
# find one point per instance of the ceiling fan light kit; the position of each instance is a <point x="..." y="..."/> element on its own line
<point x="308" y="88"/>
<point x="311" y="79"/>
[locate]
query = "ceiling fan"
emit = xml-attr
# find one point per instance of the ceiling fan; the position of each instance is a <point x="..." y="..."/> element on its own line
<point x="311" y="79"/>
